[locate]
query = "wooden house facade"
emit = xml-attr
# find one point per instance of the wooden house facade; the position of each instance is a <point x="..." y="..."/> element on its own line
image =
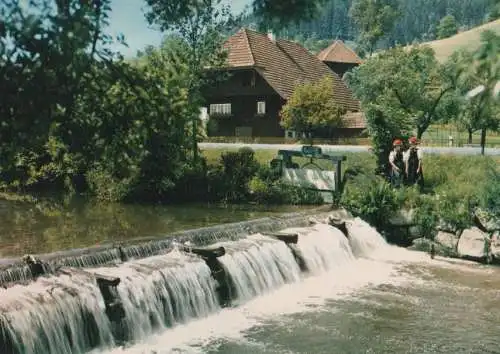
<point x="263" y="72"/>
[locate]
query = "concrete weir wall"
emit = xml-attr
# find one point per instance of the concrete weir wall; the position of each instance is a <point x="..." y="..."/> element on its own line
<point x="28" y="268"/>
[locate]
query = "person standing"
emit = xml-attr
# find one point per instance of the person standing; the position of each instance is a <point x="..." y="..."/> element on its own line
<point x="396" y="161"/>
<point x="413" y="164"/>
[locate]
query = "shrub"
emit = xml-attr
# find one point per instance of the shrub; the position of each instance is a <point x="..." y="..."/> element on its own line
<point x="370" y="198"/>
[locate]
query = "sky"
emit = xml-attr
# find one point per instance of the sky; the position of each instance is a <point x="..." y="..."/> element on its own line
<point x="127" y="17"/>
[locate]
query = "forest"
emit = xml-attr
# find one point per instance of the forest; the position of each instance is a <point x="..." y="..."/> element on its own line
<point x="416" y="20"/>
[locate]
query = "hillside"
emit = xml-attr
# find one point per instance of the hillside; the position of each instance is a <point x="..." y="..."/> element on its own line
<point x="469" y="39"/>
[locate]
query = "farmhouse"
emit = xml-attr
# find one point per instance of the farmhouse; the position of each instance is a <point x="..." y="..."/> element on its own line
<point x="263" y="74"/>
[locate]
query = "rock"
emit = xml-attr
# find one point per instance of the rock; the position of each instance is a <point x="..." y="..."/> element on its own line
<point x="403" y="218"/>
<point x="486" y="221"/>
<point x="447" y="239"/>
<point x="426" y="245"/>
<point x="421" y="244"/>
<point x="415" y="232"/>
<point x="495" y="245"/>
<point x="340" y="214"/>
<point x="472" y="243"/>
<point x="447" y="227"/>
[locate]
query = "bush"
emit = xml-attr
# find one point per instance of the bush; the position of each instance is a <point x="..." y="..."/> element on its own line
<point x="278" y="192"/>
<point x="371" y="198"/>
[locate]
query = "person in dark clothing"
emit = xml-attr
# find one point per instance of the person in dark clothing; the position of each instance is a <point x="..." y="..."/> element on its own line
<point x="396" y="162"/>
<point x="413" y="164"/>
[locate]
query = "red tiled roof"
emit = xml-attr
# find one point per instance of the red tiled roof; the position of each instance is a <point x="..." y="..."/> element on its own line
<point x="284" y="64"/>
<point x="338" y="52"/>
<point x="355" y="120"/>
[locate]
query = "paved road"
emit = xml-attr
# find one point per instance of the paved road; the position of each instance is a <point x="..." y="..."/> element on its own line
<point x="350" y="148"/>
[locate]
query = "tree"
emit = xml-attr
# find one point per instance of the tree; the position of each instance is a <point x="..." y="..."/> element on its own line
<point x="199" y="26"/>
<point x="481" y="73"/>
<point x="447" y="27"/>
<point x="374" y="19"/>
<point x="401" y="89"/>
<point x="311" y="109"/>
<point x="278" y="13"/>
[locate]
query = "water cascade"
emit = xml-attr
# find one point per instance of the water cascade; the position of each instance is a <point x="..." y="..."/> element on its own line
<point x="128" y="293"/>
<point x="258" y="264"/>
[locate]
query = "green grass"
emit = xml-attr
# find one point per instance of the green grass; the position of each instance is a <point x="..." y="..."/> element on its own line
<point x="438" y="135"/>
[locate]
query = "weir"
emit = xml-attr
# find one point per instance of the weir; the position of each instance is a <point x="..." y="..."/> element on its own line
<point x="141" y="290"/>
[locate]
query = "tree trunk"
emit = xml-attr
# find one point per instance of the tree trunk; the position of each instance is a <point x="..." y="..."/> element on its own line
<point x="469" y="141"/>
<point x="483" y="140"/>
<point x="420" y="132"/>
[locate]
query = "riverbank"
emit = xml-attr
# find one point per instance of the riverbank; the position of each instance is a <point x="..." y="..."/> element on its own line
<point x="461" y="193"/>
<point x="39" y="225"/>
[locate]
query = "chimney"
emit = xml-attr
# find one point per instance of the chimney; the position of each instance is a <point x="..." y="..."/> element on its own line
<point x="271" y="37"/>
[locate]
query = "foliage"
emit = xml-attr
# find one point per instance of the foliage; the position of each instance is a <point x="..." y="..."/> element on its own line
<point x="417" y="21"/>
<point x="450" y="199"/>
<point x="198" y="27"/>
<point x="401" y="90"/>
<point x="278" y="13"/>
<point x="238" y="178"/>
<point x="374" y="19"/>
<point x="482" y="111"/>
<point x="311" y="108"/>
<point x="447" y="27"/>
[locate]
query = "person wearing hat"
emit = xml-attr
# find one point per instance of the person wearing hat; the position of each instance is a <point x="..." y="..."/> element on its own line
<point x="396" y="161"/>
<point x="413" y="163"/>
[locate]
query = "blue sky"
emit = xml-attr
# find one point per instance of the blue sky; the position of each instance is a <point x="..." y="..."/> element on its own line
<point x="127" y="17"/>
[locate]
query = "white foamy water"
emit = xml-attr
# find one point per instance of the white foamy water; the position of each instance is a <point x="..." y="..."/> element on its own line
<point x="337" y="273"/>
<point x="161" y="291"/>
<point x="50" y="316"/>
<point x="323" y="247"/>
<point x="171" y="300"/>
<point x="259" y="264"/>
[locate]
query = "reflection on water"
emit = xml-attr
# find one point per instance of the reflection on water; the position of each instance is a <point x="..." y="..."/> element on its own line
<point x="30" y="228"/>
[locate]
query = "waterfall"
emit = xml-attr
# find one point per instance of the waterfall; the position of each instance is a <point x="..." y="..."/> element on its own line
<point x="56" y="315"/>
<point x="322" y="247"/>
<point x="259" y="264"/>
<point x="164" y="287"/>
<point x="364" y="239"/>
<point x="161" y="291"/>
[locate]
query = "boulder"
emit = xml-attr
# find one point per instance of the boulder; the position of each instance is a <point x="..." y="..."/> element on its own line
<point x="434" y="248"/>
<point x="415" y="232"/>
<point x="447" y="227"/>
<point x="403" y="217"/>
<point x="447" y="239"/>
<point x="473" y="244"/>
<point x="486" y="221"/>
<point x="495" y="245"/>
<point x="340" y="214"/>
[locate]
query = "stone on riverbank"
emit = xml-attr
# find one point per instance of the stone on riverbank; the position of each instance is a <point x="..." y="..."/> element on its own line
<point x="448" y="240"/>
<point x="486" y="221"/>
<point x="424" y="245"/>
<point x="472" y="244"/>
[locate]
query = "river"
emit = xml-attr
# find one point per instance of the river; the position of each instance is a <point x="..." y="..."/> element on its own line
<point x="358" y="295"/>
<point x="391" y="301"/>
<point x="49" y="227"/>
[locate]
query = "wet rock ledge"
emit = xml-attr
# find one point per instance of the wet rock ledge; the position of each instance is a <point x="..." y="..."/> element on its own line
<point x="480" y="242"/>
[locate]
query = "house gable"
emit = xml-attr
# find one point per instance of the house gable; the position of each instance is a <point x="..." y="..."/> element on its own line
<point x="338" y="52"/>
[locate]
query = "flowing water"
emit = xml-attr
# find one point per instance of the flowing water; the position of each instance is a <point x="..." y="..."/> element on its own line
<point x="358" y="295"/>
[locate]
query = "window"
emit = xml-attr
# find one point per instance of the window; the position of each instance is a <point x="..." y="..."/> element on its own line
<point x="290" y="134"/>
<point x="220" y="108"/>
<point x="261" y="107"/>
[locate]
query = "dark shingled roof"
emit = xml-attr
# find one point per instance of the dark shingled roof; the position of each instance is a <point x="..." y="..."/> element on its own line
<point x="284" y="64"/>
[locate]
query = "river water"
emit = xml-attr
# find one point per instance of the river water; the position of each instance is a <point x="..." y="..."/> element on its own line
<point x="358" y="296"/>
<point x="388" y="301"/>
<point x="49" y="227"/>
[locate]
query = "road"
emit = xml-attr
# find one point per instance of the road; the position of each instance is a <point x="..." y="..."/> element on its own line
<point x="350" y="148"/>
